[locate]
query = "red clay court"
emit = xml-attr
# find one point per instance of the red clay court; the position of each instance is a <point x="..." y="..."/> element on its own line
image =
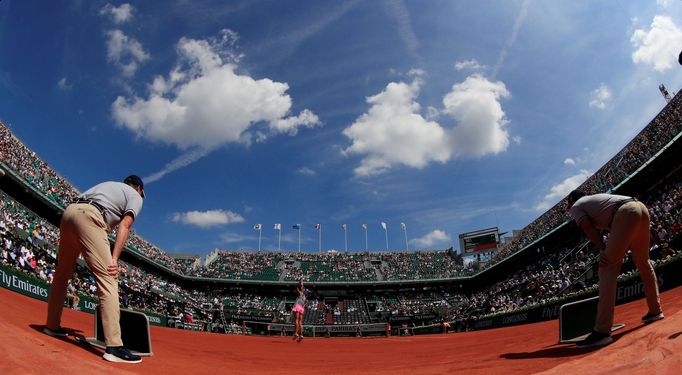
<point x="531" y="348"/>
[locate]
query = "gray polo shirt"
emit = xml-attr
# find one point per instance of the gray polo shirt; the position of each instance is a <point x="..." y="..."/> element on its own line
<point x="117" y="199"/>
<point x="599" y="207"/>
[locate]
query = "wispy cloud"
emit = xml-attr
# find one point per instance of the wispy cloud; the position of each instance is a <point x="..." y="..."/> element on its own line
<point x="182" y="161"/>
<point x="207" y="219"/>
<point x="431" y="239"/>
<point x="279" y="48"/>
<point x="518" y="23"/>
<point x="399" y="12"/>
<point x="472" y="64"/>
<point x="64" y="85"/>
<point x="600" y="97"/>
<point x="561" y="190"/>
<point x="664" y="3"/>
<point x="120" y="14"/>
<point x="231" y="238"/>
<point x="306" y="171"/>
<point x="459" y="210"/>
<point x="125" y="52"/>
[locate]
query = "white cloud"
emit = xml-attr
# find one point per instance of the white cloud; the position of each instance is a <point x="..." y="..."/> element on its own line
<point x="206" y="219"/>
<point x="659" y="46"/>
<point x="119" y="15"/>
<point x="600" y="97"/>
<point x="435" y="237"/>
<point x="204" y="103"/>
<point x="64" y="85"/>
<point x="125" y="52"/>
<point x="393" y="132"/>
<point x="472" y="64"/>
<point x="569" y="161"/>
<point x="475" y="105"/>
<point x="561" y="190"/>
<point x="306" y="171"/>
<point x="290" y="125"/>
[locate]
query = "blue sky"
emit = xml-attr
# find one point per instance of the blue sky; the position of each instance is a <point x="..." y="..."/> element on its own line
<point x="449" y="116"/>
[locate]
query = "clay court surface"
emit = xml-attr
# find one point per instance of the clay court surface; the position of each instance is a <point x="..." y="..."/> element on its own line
<point x="532" y="348"/>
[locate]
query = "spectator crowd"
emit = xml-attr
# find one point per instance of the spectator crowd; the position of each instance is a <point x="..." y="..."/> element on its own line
<point x="29" y="244"/>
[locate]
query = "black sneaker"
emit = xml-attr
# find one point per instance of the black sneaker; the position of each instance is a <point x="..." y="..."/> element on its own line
<point x="650" y="318"/>
<point x="595" y="339"/>
<point x="58" y="332"/>
<point x="121" y="354"/>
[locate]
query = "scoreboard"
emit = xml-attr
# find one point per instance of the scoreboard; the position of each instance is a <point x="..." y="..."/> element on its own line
<point x="479" y="241"/>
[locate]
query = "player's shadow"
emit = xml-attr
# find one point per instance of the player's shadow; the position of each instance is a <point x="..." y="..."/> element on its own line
<point x="563" y="350"/>
<point x="72" y="338"/>
<point x="674" y="335"/>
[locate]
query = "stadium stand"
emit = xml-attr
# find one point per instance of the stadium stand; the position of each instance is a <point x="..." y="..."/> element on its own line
<point x="395" y="286"/>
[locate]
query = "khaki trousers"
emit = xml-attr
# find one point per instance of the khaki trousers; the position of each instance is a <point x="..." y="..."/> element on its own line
<point x="83" y="231"/>
<point x="629" y="230"/>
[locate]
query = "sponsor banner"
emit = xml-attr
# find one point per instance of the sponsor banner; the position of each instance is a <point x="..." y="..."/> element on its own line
<point x="351" y="328"/>
<point x="16" y="281"/>
<point x="411" y="318"/>
<point x="27" y="285"/>
<point x="276" y="327"/>
<point x="241" y="317"/>
<point x="88" y="304"/>
<point x="426" y="330"/>
<point x="401" y="318"/>
<point x="668" y="277"/>
<point x="321" y="330"/>
<point x="156" y="319"/>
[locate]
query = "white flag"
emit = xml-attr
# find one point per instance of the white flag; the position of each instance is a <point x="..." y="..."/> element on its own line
<point x="256" y="227"/>
<point x="364" y="226"/>
<point x="403" y="226"/>
<point x="278" y="226"/>
<point x="383" y="225"/>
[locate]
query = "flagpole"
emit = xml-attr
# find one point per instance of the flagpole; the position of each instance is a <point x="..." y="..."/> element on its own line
<point x="345" y="236"/>
<point x="319" y="241"/>
<point x="299" y="238"/>
<point x="366" y="238"/>
<point x="407" y="247"/>
<point x="279" y="239"/>
<point x="383" y="225"/>
<point x="259" y="228"/>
